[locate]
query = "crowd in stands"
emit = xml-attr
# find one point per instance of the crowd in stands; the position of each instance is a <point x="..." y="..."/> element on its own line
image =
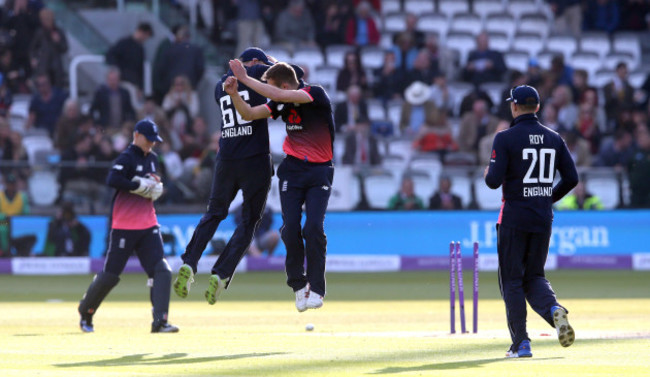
<point x="416" y="80"/>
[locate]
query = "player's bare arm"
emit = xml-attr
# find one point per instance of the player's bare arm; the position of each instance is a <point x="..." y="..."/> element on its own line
<point x="243" y="108"/>
<point x="269" y="91"/>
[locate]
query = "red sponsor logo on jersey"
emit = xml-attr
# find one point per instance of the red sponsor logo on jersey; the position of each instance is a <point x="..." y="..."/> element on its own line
<point x="307" y="89"/>
<point x="293" y="117"/>
<point x="494" y="154"/>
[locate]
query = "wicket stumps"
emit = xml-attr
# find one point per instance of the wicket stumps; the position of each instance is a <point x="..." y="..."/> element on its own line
<point x="456" y="276"/>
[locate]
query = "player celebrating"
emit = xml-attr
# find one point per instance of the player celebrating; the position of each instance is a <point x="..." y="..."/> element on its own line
<point x="243" y="163"/>
<point x="134" y="227"/>
<point x="524" y="160"/>
<point x="305" y="175"/>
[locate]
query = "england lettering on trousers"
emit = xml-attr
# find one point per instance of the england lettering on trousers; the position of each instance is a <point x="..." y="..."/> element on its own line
<point x="237" y="131"/>
<point x="538" y="191"/>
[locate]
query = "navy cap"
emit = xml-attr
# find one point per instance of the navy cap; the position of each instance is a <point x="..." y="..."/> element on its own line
<point x="524" y="95"/>
<point x="148" y="129"/>
<point x="254" y="53"/>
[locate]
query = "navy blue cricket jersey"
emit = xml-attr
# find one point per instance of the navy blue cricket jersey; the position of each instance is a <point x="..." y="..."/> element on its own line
<point x="240" y="138"/>
<point x="310" y="126"/>
<point x="524" y="160"/>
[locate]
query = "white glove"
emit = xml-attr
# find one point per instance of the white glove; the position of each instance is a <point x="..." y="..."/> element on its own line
<point x="145" y="188"/>
<point x="156" y="191"/>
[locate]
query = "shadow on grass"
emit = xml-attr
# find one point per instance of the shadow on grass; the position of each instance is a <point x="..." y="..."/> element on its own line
<point x="464" y="364"/>
<point x="169" y="359"/>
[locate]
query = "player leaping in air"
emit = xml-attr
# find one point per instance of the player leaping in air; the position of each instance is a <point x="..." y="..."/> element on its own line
<point x="305" y="174"/>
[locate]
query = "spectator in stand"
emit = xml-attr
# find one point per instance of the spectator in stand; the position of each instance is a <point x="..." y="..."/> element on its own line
<point x="579" y="84"/>
<point x="418" y="110"/>
<point x="567" y="111"/>
<point x="567" y="15"/>
<point x="405" y="199"/>
<point x="590" y="96"/>
<point x="13" y="152"/>
<point x="159" y="64"/>
<point x="578" y="147"/>
<point x="352" y="111"/>
<point x="182" y="58"/>
<point x="561" y="74"/>
<point x="389" y="81"/>
<point x="634" y="15"/>
<point x="13" y="76"/>
<point x="111" y="105"/>
<point x="7" y="146"/>
<point x="617" y="152"/>
<point x="436" y="138"/>
<point x="440" y="94"/>
<point x="47" y="49"/>
<point x="128" y="55"/>
<point x="250" y="28"/>
<point x="477" y="93"/>
<point x="67" y="125"/>
<point x="352" y="73"/>
<point x="444" y="199"/>
<point x="202" y="173"/>
<point x="516" y="79"/>
<point x="588" y="127"/>
<point x="549" y="119"/>
<point x="46" y="105"/>
<point x="601" y="15"/>
<point x="294" y="28"/>
<point x="580" y="198"/>
<point x="422" y="69"/>
<point x="22" y="22"/>
<point x="361" y="30"/>
<point x="618" y="95"/>
<point x="6" y="98"/>
<point x="361" y="148"/>
<point x="534" y="75"/>
<point x="639" y="170"/>
<point x="442" y="59"/>
<point x="195" y="141"/>
<point x="474" y="125"/>
<point x="66" y="235"/>
<point x="150" y="110"/>
<point x="14" y="201"/>
<point x="483" y="64"/>
<point x="405" y="52"/>
<point x="485" y="145"/>
<point x="331" y="28"/>
<point x="411" y="28"/>
<point x="181" y="105"/>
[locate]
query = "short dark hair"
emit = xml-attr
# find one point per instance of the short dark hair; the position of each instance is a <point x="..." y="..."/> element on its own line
<point x="145" y="27"/>
<point x="281" y="73"/>
<point x="528" y="107"/>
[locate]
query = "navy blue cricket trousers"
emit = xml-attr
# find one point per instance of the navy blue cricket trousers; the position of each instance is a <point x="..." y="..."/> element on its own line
<point x="146" y="243"/>
<point x="522" y="256"/>
<point x="252" y="176"/>
<point x="310" y="184"/>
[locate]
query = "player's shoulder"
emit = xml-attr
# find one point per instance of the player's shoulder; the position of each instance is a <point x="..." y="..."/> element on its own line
<point x="257" y="71"/>
<point x="315" y="91"/>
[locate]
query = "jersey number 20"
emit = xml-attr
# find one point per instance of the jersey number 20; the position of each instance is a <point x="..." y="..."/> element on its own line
<point x="546" y="158"/>
<point x="229" y="115"/>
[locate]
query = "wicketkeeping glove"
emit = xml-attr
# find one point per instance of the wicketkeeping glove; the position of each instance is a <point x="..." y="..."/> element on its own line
<point x="157" y="188"/>
<point x="145" y="187"/>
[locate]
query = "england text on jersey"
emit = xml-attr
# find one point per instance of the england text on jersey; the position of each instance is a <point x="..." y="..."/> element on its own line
<point x="538" y="191"/>
<point x="237" y="131"/>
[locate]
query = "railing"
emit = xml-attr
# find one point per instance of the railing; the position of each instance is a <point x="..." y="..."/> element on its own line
<point x="79" y="59"/>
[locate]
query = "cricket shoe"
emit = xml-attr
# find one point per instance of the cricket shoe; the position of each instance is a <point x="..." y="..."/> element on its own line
<point x="565" y="333"/>
<point x="184" y="280"/>
<point x="216" y="285"/>
<point x="314" y="300"/>
<point x="163" y="327"/>
<point x="301" y="298"/>
<point x="522" y="351"/>
<point x="86" y="325"/>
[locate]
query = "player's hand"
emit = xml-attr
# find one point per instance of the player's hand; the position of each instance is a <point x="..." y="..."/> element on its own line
<point x="238" y="69"/>
<point x="272" y="59"/>
<point x="230" y="85"/>
<point x="487" y="168"/>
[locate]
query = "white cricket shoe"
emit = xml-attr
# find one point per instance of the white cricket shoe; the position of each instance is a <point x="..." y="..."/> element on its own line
<point x="301" y="298"/>
<point x="314" y="301"/>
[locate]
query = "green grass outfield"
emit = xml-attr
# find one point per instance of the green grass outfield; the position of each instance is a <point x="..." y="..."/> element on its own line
<point x="372" y="324"/>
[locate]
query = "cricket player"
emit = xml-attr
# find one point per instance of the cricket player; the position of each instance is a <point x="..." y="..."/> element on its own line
<point x="524" y="160"/>
<point x="306" y="173"/>
<point x="134" y="227"/>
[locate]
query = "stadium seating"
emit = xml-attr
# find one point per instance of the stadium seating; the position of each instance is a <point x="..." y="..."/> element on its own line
<point x="534" y="24"/>
<point x="486" y="198"/>
<point x="372" y="57"/>
<point x="499" y="41"/>
<point x="588" y="61"/>
<point x="418" y="6"/>
<point x="336" y="54"/>
<point x="43" y="187"/>
<point x="326" y="77"/>
<point x="311" y="57"/>
<point x="530" y="43"/>
<point x="394" y="22"/>
<point x="376" y="110"/>
<point x="434" y="23"/>
<point x="563" y="44"/>
<point x="517" y="60"/>
<point x="390" y="6"/>
<point x="605" y="186"/>
<point x="466" y="23"/>
<point x="520" y="7"/>
<point x="487" y="7"/>
<point x="451" y="7"/>
<point x="613" y="58"/>
<point x="379" y="188"/>
<point x="501" y="23"/>
<point x="423" y="185"/>
<point x="595" y="42"/>
<point x="280" y="53"/>
<point x="463" y="43"/>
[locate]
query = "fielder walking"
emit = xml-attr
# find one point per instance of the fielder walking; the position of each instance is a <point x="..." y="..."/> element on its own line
<point x="134" y="227"/>
<point x="524" y="160"/>
<point x="306" y="173"/>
